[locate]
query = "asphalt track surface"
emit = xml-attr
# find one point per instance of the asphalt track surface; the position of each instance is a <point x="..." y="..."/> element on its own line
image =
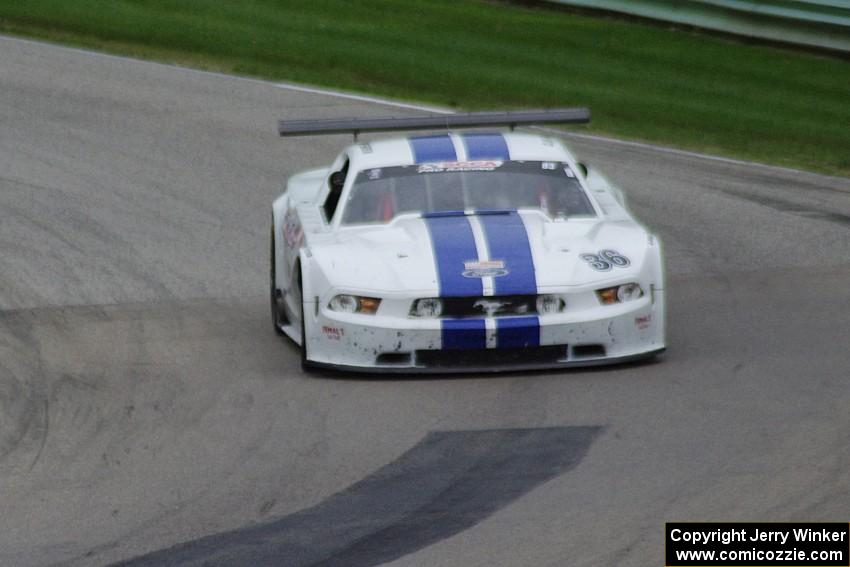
<point x="146" y="403"/>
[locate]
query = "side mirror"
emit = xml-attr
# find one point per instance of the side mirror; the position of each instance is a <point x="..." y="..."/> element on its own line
<point x="582" y="168"/>
<point x="337" y="180"/>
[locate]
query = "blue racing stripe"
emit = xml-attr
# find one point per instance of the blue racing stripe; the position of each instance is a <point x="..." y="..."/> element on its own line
<point x="454" y="244"/>
<point x="486" y="146"/>
<point x="432" y="148"/>
<point x="464" y="334"/>
<point x="507" y="240"/>
<point x="517" y="332"/>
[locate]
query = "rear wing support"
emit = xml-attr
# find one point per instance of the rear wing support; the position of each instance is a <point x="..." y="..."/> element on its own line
<point x="356" y="126"/>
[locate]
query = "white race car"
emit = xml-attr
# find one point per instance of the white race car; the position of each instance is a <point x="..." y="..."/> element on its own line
<point x="461" y="251"/>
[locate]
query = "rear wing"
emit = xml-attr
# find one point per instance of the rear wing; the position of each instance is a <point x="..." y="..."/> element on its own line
<point x="356" y="126"/>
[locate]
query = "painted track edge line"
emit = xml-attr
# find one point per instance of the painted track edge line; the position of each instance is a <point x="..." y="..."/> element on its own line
<point x="349" y="96"/>
<point x="421" y="107"/>
<point x="280" y="85"/>
<point x="687" y="153"/>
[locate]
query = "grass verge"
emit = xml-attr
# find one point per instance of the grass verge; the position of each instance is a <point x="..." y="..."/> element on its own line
<point x="641" y="81"/>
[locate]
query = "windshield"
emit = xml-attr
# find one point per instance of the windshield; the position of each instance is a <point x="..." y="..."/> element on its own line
<point x="380" y="194"/>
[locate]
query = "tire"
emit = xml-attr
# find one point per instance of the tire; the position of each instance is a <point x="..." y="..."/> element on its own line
<point x="278" y="319"/>
<point x="305" y="364"/>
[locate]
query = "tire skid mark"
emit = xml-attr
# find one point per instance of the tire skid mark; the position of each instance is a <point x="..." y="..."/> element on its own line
<point x="44" y="434"/>
<point x="786" y="206"/>
<point x="445" y="484"/>
<point x="23" y="398"/>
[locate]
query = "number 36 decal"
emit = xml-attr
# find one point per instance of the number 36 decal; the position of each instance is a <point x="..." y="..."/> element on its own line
<point x="604" y="260"/>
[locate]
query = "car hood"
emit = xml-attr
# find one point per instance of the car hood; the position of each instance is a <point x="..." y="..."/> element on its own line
<point x="406" y="255"/>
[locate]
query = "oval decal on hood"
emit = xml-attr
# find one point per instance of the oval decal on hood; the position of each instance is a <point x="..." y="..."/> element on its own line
<point x="486" y="269"/>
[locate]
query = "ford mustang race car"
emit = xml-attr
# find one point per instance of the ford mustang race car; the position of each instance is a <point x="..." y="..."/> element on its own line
<point x="461" y="250"/>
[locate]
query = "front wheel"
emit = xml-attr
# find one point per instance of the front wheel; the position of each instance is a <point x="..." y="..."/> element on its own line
<point x="278" y="320"/>
<point x="305" y="364"/>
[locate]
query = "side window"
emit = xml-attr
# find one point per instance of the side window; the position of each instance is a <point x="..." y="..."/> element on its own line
<point x="336" y="182"/>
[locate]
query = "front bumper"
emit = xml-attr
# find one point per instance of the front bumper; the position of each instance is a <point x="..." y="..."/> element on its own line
<point x="609" y="334"/>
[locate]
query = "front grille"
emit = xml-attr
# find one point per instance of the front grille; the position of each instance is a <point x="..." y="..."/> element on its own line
<point x="460" y="307"/>
<point x="495" y="357"/>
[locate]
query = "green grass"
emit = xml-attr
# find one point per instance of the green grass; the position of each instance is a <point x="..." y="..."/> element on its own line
<point x="641" y="81"/>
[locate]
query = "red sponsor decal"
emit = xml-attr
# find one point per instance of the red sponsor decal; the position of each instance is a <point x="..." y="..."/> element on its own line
<point x="643" y="322"/>
<point x="333" y="333"/>
<point x="293" y="234"/>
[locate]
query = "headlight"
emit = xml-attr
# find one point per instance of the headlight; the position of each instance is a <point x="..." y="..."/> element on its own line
<point x="629" y="292"/>
<point x="428" y="307"/>
<point x="620" y="293"/>
<point x="354" y="304"/>
<point x="547" y="304"/>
